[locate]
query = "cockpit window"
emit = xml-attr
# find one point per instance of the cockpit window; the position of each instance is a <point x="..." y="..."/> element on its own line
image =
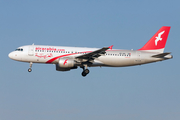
<point x="19" y="49"/>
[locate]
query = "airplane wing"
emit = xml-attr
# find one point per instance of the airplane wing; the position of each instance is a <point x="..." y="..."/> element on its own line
<point x="94" y="54"/>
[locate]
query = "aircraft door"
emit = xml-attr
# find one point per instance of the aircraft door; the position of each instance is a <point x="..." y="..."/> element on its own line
<point x="31" y="50"/>
<point x="138" y="56"/>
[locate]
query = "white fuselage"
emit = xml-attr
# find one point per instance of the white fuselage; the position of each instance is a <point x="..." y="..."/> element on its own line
<point x="112" y="58"/>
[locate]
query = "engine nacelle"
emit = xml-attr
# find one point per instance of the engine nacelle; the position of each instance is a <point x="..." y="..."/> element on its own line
<point x="62" y="69"/>
<point x="65" y="64"/>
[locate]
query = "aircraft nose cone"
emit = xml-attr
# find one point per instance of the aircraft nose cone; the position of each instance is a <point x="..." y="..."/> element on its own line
<point x="10" y="55"/>
<point x="15" y="56"/>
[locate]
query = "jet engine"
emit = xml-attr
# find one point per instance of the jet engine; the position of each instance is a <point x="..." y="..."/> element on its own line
<point x="65" y="64"/>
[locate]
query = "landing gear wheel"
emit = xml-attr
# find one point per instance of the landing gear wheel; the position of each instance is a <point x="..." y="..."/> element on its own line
<point x="85" y="72"/>
<point x="29" y="70"/>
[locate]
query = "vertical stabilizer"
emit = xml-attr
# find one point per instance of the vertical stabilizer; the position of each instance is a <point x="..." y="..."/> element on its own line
<point x="158" y="41"/>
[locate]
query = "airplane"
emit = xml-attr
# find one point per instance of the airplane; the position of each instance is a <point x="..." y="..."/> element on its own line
<point x="67" y="58"/>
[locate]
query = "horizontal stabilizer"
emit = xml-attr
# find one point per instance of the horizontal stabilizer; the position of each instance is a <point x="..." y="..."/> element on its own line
<point x="161" y="55"/>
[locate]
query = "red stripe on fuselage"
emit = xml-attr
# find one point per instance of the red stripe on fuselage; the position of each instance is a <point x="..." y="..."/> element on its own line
<point x="53" y="59"/>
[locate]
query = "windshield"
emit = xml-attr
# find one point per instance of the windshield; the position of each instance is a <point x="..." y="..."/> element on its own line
<point x="19" y="49"/>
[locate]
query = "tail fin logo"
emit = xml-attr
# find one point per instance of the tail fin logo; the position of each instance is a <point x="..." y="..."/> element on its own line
<point x="158" y="38"/>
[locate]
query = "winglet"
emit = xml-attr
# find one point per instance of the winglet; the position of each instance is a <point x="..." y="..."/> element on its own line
<point x="110" y="47"/>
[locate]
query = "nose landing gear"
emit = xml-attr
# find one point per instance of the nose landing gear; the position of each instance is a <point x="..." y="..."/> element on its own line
<point x="30" y="65"/>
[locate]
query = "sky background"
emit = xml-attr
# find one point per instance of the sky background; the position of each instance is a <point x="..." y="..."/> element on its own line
<point x="146" y="92"/>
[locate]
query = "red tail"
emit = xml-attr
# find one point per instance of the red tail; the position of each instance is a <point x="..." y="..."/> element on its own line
<point x="158" y="41"/>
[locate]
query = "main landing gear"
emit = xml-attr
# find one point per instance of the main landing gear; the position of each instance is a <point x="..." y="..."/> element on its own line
<point x="85" y="71"/>
<point x="30" y="65"/>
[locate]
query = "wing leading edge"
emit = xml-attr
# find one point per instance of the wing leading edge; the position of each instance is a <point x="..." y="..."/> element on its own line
<point x="94" y="54"/>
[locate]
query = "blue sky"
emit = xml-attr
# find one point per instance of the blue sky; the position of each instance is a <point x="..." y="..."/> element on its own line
<point x="130" y="93"/>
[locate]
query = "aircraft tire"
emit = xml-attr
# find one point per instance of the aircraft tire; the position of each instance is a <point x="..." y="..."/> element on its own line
<point x="29" y="70"/>
<point x="84" y="74"/>
<point x="86" y="71"/>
